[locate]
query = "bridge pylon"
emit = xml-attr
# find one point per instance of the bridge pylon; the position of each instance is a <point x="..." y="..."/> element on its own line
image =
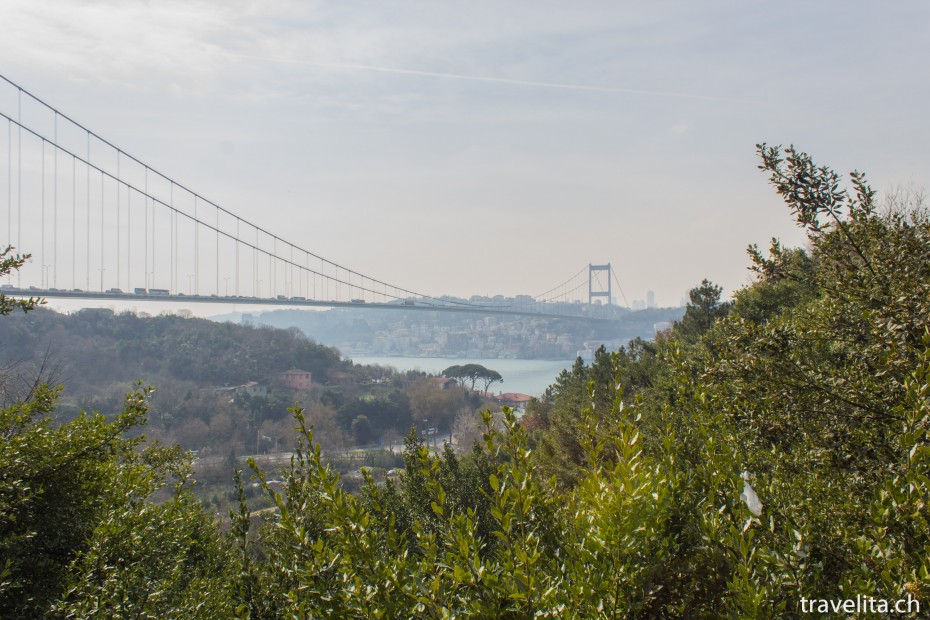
<point x="595" y="287"/>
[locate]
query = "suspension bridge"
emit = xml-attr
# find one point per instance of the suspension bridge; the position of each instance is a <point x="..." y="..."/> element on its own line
<point x="99" y="223"/>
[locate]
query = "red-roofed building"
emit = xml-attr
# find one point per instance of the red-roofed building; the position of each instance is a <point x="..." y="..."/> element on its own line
<point x="515" y="400"/>
<point x="441" y="383"/>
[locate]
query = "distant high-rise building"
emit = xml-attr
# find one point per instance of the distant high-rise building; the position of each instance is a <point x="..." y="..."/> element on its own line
<point x="639" y="304"/>
<point x="650" y="299"/>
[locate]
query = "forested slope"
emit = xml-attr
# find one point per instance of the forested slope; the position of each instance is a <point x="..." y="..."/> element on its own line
<point x="97" y="347"/>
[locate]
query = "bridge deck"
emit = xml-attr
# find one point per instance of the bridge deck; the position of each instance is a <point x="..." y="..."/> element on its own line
<point x="293" y="302"/>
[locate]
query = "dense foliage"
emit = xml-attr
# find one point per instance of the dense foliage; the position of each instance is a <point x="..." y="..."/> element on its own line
<point x="127" y="347"/>
<point x="762" y="452"/>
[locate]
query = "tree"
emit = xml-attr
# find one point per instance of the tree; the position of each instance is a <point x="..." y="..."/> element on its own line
<point x="456" y="372"/>
<point x="80" y="531"/>
<point x="489" y="377"/>
<point x="466" y="427"/>
<point x="435" y="405"/>
<point x="575" y="391"/>
<point x="471" y="374"/>
<point x="703" y="309"/>
<point x="8" y="264"/>
<point x="361" y="430"/>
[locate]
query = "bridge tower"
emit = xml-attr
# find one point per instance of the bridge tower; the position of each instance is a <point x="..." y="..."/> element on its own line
<point x="598" y="291"/>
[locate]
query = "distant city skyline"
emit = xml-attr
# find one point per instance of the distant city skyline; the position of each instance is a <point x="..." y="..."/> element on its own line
<point x="479" y="148"/>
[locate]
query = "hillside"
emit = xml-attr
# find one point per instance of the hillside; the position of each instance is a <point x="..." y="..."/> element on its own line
<point x="97" y="347"/>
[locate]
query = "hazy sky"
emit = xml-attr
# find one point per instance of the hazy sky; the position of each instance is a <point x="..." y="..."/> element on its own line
<point x="493" y="147"/>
